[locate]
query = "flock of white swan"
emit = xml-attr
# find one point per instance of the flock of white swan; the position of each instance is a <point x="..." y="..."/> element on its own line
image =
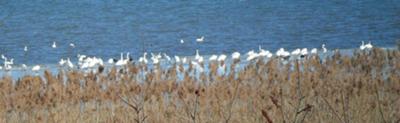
<point x="86" y="62"/>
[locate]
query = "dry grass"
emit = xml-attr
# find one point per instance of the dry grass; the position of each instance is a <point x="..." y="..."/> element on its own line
<point x="362" y="88"/>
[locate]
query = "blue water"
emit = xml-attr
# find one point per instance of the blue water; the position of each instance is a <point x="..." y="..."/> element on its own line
<point x="106" y="28"/>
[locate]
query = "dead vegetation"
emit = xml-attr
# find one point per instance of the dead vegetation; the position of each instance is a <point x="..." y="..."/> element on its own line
<point x="361" y="88"/>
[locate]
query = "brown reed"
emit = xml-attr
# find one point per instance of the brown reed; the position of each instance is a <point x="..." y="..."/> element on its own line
<point x="360" y="88"/>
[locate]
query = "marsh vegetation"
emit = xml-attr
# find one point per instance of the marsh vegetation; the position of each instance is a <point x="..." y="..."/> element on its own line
<point x="364" y="87"/>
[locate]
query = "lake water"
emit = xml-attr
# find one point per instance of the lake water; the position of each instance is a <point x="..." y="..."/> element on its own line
<point x="106" y="28"/>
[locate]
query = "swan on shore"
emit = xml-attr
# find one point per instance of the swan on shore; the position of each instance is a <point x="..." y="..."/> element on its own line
<point x="314" y="51"/>
<point x="324" y="50"/>
<point x="36" y="68"/>
<point x="235" y="55"/>
<point x="213" y="58"/>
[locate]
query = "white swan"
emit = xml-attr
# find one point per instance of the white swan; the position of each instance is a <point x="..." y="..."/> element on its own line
<point x="167" y="57"/>
<point x="201" y="39"/>
<point x="69" y="63"/>
<point x="221" y="57"/>
<point x="111" y="61"/>
<point x="304" y="52"/>
<point x="143" y="59"/>
<point x="235" y="55"/>
<point x="201" y="59"/>
<point x="184" y="60"/>
<point x="264" y="53"/>
<point x="54" y="45"/>
<point x="62" y="62"/>
<point x="314" y="51"/>
<point x="296" y="52"/>
<point x="197" y="56"/>
<point x="121" y="61"/>
<point x="251" y="55"/>
<point x="36" y="68"/>
<point x="24" y="67"/>
<point x="213" y="58"/>
<point x="362" y="46"/>
<point x="177" y="59"/>
<point x="368" y="46"/>
<point x="72" y="45"/>
<point x="324" y="50"/>
<point x="282" y="53"/>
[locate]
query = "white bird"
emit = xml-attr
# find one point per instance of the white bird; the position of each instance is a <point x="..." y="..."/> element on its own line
<point x="282" y="53"/>
<point x="7" y="67"/>
<point x="197" y="66"/>
<point x="54" y="45"/>
<point x="269" y="55"/>
<point x="296" y="52"/>
<point x="111" y="61"/>
<point x="324" y="50"/>
<point x="201" y="39"/>
<point x="304" y="51"/>
<point x="26" y="48"/>
<point x="251" y="52"/>
<point x="24" y="66"/>
<point x="213" y="58"/>
<point x="72" y="45"/>
<point x="184" y="60"/>
<point x="10" y="62"/>
<point x="362" y="46"/>
<point x="235" y="55"/>
<point x="128" y="57"/>
<point x="177" y="59"/>
<point x="167" y="57"/>
<point x="7" y="63"/>
<point x="197" y="56"/>
<point x="100" y="61"/>
<point x="158" y="56"/>
<point x="62" y="62"/>
<point x="368" y="46"/>
<point x="155" y="60"/>
<point x="143" y="59"/>
<point x="69" y="63"/>
<point x="81" y="57"/>
<point x="201" y="59"/>
<point x="121" y="61"/>
<point x="264" y="53"/>
<point x="182" y="41"/>
<point x="35" y="68"/>
<point x="314" y="51"/>
<point x="221" y="57"/>
<point x="251" y="55"/>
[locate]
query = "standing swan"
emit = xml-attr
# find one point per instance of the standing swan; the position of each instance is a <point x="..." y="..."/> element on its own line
<point x="324" y="50"/>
